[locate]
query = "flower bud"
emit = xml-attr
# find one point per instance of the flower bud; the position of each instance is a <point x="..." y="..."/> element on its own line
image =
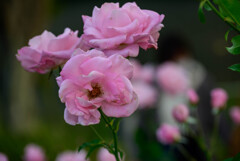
<point x="192" y="96"/>
<point x="235" y="114"/>
<point x="168" y="134"/>
<point x="180" y="113"/>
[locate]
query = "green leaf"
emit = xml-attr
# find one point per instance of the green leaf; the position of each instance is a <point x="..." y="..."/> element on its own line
<point x="235" y="67"/>
<point x="231" y="8"/>
<point x="91" y="150"/>
<point x="207" y="7"/>
<point x="226" y="34"/>
<point x="216" y="1"/>
<point x="235" y="48"/>
<point x="200" y="11"/>
<point x="89" y="144"/>
<point x="121" y="153"/>
<point x="229" y="159"/>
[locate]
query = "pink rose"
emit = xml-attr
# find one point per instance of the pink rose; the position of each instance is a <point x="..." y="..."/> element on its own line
<point x="34" y="153"/>
<point x="172" y="78"/>
<point x="180" y="113"/>
<point x="3" y="157"/>
<point x="235" y="114"/>
<point x="104" y="155"/>
<point x="121" y="30"/>
<point x="219" y="98"/>
<point x="47" y="51"/>
<point x="147" y="95"/>
<point x="192" y="96"/>
<point x="143" y="72"/>
<point x="168" y="134"/>
<point x="89" y="81"/>
<point x="72" y="156"/>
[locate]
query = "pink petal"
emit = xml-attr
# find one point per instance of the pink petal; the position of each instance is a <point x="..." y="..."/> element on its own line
<point x="29" y="58"/>
<point x="126" y="110"/>
<point x="41" y="42"/>
<point x="69" y="118"/>
<point x="108" y="43"/>
<point x="122" y="66"/>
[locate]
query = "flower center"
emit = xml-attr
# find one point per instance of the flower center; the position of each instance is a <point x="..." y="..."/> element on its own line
<point x="95" y="92"/>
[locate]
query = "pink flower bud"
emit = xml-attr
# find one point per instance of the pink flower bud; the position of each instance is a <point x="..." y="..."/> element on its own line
<point x="34" y="153"/>
<point x="3" y="157"/>
<point x="235" y="114"/>
<point x="180" y="113"/>
<point x="104" y="155"/>
<point x="192" y="96"/>
<point x="168" y="134"/>
<point x="72" y="156"/>
<point x="219" y="98"/>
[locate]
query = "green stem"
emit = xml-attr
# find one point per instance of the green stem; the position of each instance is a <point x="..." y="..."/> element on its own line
<point x="200" y="141"/>
<point x="214" y="136"/>
<point x="114" y="136"/>
<point x="98" y="135"/>
<point x="221" y="16"/>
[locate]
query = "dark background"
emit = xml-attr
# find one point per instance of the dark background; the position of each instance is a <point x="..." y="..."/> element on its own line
<point x="30" y="110"/>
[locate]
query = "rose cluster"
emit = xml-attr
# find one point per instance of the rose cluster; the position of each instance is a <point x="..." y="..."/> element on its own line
<point x="96" y="74"/>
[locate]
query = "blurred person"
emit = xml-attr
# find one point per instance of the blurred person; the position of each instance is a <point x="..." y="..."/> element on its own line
<point x="175" y="49"/>
<point x="178" y="72"/>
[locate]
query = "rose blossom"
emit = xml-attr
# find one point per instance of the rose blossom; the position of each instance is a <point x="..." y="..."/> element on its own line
<point x="121" y="30"/>
<point x="219" y="98"/>
<point x="172" y="78"/>
<point x="3" y="157"/>
<point x="90" y="80"/>
<point x="104" y="155"/>
<point x="180" y="113"/>
<point x="235" y="114"/>
<point x="34" y="153"/>
<point x="147" y="95"/>
<point x="47" y="51"/>
<point x="72" y="156"/>
<point x="192" y="96"/>
<point x="168" y="134"/>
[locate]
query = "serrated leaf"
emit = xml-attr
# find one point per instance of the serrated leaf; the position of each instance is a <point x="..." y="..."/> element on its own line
<point x="88" y="144"/>
<point x="231" y="8"/>
<point x="235" y="67"/>
<point x="235" y="48"/>
<point x="200" y="11"/>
